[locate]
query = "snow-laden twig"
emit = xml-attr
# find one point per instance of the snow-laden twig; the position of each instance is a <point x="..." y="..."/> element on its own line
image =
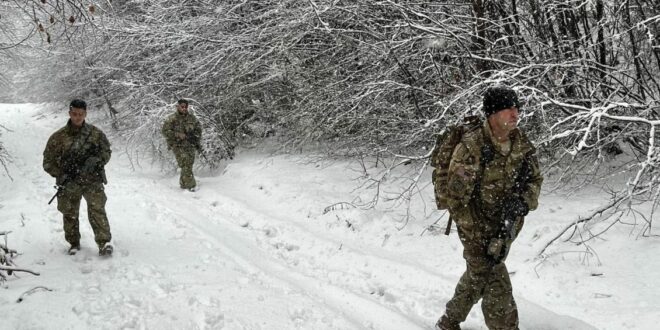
<point x="31" y="291"/>
<point x="580" y="220"/>
<point x="318" y="15"/>
<point x="7" y="265"/>
<point x="16" y="269"/>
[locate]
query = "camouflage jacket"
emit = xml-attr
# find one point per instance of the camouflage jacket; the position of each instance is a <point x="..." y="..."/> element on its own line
<point x="186" y="124"/>
<point x="475" y="196"/>
<point x="79" y="153"/>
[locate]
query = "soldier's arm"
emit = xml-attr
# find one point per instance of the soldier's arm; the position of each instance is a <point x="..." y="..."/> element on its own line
<point x="198" y="130"/>
<point x="534" y="181"/>
<point x="168" y="132"/>
<point x="52" y="155"/>
<point x="194" y="134"/>
<point x="104" y="149"/>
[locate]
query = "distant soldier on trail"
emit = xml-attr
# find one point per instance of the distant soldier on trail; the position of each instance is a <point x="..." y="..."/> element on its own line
<point x="493" y="181"/>
<point x="75" y="155"/>
<point x="183" y="134"/>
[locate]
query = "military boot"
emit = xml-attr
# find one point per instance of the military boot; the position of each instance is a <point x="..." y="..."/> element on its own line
<point x="445" y="323"/>
<point x="74" y="249"/>
<point x="106" y="250"/>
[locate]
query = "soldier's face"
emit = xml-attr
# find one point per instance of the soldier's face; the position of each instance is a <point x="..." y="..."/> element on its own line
<point x="182" y="108"/>
<point x="77" y="116"/>
<point x="507" y="119"/>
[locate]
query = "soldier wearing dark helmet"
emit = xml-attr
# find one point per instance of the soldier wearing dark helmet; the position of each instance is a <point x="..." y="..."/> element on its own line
<point x="75" y="155"/>
<point x="493" y="182"/>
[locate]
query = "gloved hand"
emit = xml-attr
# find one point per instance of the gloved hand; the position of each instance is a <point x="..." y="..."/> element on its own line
<point x="495" y="247"/>
<point x="71" y="170"/>
<point x="193" y="139"/>
<point x="91" y="165"/>
<point x="61" y="179"/>
<point x="515" y="206"/>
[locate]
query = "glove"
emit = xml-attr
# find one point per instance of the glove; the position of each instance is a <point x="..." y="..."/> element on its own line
<point x="495" y="246"/>
<point x="61" y="179"/>
<point x="70" y="169"/>
<point x="91" y="165"/>
<point x="515" y="206"/>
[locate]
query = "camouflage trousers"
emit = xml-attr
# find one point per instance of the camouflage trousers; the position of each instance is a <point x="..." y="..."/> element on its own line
<point x="185" y="159"/>
<point x="483" y="279"/>
<point x="68" y="203"/>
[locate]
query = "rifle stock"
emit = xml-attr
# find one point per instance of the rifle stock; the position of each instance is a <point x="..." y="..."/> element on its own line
<point x="60" y="187"/>
<point x="448" y="228"/>
<point x="201" y="152"/>
<point x="57" y="193"/>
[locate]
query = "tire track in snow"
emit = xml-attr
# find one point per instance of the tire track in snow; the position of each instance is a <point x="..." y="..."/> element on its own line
<point x="213" y="249"/>
<point x="362" y="312"/>
<point x="352" y="269"/>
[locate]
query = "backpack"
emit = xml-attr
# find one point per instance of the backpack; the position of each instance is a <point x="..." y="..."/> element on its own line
<point x="441" y="156"/>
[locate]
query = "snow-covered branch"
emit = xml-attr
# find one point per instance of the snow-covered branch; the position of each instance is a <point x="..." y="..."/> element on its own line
<point x="370" y="78"/>
<point x="7" y="265"/>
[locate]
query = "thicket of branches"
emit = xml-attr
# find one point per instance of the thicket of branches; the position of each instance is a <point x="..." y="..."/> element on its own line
<point x="7" y="265"/>
<point x="381" y="78"/>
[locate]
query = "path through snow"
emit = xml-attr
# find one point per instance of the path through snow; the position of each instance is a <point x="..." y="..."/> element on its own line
<point x="252" y="249"/>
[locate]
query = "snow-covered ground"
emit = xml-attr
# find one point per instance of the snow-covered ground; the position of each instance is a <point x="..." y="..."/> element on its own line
<point x="254" y="248"/>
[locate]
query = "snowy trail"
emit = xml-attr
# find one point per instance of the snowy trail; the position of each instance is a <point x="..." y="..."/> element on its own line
<point x="313" y="256"/>
<point x="246" y="251"/>
<point x="207" y="249"/>
<point x="219" y="234"/>
<point x="177" y="233"/>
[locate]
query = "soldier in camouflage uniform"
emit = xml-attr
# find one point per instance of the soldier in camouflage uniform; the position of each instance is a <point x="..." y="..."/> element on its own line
<point x="183" y="133"/>
<point x="493" y="176"/>
<point x="76" y="155"/>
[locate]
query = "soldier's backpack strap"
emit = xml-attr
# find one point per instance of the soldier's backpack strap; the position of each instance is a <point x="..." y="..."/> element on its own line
<point x="487" y="154"/>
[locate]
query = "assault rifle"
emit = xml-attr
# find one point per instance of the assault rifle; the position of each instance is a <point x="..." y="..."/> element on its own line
<point x="70" y="174"/>
<point x="71" y="166"/>
<point x="198" y="146"/>
<point x="498" y="248"/>
<point x="60" y="188"/>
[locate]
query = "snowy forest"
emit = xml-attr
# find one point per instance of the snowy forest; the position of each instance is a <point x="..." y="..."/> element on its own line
<point x="371" y="82"/>
<point x="358" y="79"/>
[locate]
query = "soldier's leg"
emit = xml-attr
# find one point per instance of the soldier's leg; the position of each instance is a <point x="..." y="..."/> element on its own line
<point x="68" y="203"/>
<point x="178" y="155"/>
<point x="95" y="197"/>
<point x="499" y="307"/>
<point x="180" y="162"/>
<point x="469" y="288"/>
<point x="187" y="160"/>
